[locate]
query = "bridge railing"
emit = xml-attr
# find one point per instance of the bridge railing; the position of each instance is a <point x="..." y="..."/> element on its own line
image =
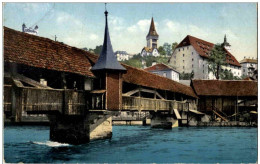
<point x="148" y="104"/>
<point x="43" y="101"/>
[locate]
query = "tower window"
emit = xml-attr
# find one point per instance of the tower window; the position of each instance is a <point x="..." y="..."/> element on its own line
<point x="183" y="55"/>
<point x="183" y="61"/>
<point x="192" y="59"/>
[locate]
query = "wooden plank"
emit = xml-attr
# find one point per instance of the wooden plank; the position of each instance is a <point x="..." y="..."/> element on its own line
<point x="29" y="81"/>
<point x="223" y="118"/>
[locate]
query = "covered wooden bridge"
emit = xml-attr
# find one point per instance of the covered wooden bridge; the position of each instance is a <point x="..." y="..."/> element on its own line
<point x="77" y="88"/>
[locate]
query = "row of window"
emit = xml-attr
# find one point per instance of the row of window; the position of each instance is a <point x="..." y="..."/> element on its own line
<point x="183" y="48"/>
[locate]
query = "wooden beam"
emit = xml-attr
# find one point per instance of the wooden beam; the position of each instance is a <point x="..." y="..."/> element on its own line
<point x="131" y="92"/>
<point x="29" y="81"/>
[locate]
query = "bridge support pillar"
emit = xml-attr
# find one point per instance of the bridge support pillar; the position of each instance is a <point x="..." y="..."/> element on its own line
<point x="163" y="121"/>
<point x="80" y="129"/>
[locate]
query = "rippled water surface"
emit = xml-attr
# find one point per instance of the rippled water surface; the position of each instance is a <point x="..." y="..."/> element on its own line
<point x="135" y="144"/>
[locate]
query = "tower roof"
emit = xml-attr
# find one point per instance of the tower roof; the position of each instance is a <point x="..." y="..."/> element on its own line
<point x="107" y="60"/>
<point x="152" y="31"/>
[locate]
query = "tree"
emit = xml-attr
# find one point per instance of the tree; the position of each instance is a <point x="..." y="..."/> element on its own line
<point x="217" y="58"/>
<point x="98" y="49"/>
<point x="174" y="45"/>
<point x="161" y="50"/>
<point x="167" y="48"/>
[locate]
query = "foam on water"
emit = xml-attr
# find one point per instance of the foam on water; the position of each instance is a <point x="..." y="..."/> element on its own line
<point x="51" y="144"/>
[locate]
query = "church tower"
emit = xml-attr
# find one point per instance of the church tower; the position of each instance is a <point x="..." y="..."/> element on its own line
<point x="152" y="36"/>
<point x="226" y="45"/>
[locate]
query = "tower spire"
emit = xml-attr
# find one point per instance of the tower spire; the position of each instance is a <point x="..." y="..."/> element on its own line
<point x="152" y="30"/>
<point x="107" y="60"/>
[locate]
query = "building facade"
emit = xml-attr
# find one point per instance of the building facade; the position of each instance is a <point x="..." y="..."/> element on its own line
<point x="122" y="55"/>
<point x="191" y="55"/>
<point x="249" y="66"/>
<point x="164" y="70"/>
<point x="152" y="42"/>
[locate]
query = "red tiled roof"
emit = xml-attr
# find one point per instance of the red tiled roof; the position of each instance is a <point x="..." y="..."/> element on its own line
<point x="41" y="52"/>
<point x="225" y="87"/>
<point x="147" y="79"/>
<point x="45" y="53"/>
<point x="203" y="48"/>
<point x="249" y="61"/>
<point x="159" y="67"/>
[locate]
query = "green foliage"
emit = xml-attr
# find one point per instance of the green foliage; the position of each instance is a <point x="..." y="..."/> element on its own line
<point x="174" y="45"/>
<point x="136" y="61"/>
<point x="161" y="50"/>
<point x="228" y="75"/>
<point x="217" y="58"/>
<point x="186" y="76"/>
<point x="167" y="48"/>
<point x="97" y="50"/>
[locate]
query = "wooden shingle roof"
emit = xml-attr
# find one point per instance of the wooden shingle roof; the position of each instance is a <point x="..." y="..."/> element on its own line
<point x="147" y="79"/>
<point x="225" y="87"/>
<point x="203" y="48"/>
<point x="35" y="51"/>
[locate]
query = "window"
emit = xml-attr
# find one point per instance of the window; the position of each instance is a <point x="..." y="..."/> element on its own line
<point x="192" y="59"/>
<point x="187" y="48"/>
<point x="183" y="55"/>
<point x="179" y="49"/>
<point x="164" y="74"/>
<point x="183" y="49"/>
<point x="203" y="70"/>
<point x="244" y="70"/>
<point x="192" y="65"/>
<point x="183" y="67"/>
<point x="203" y="65"/>
<point x="183" y="61"/>
<point x="192" y="53"/>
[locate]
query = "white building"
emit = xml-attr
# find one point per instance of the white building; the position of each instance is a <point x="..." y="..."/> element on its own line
<point x="191" y="54"/>
<point x="122" y="55"/>
<point x="152" y="42"/>
<point x="164" y="70"/>
<point x="248" y="66"/>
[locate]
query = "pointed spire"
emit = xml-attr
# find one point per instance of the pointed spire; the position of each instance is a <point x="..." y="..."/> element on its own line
<point x="225" y="38"/>
<point x="107" y="60"/>
<point x="152" y="31"/>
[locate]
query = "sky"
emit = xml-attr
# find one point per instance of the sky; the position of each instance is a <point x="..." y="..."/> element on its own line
<point x="82" y="24"/>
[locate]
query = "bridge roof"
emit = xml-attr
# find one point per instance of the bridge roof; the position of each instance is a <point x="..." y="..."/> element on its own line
<point x="242" y="88"/>
<point x="45" y="53"/>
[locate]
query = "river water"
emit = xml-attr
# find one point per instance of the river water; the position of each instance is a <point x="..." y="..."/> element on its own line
<point x="135" y="144"/>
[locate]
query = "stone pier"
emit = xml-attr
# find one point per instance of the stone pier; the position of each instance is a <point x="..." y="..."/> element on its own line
<point x="164" y="121"/>
<point x="80" y="129"/>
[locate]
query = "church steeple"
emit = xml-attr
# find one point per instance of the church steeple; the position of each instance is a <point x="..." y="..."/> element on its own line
<point x="152" y="36"/>
<point x="225" y="44"/>
<point x="107" y="60"/>
<point x="152" y="31"/>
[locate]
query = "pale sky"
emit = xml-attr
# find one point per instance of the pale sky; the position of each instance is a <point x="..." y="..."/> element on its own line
<point x="82" y="24"/>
